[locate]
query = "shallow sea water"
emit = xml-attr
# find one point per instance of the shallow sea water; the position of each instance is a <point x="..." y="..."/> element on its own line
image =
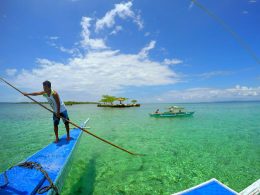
<point x="220" y="141"/>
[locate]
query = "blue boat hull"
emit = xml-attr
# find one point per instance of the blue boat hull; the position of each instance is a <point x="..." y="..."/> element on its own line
<point x="211" y="187"/>
<point x="169" y="114"/>
<point x="54" y="159"/>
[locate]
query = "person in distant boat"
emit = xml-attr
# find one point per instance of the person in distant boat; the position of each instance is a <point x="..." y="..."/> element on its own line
<point x="57" y="105"/>
<point x="157" y="111"/>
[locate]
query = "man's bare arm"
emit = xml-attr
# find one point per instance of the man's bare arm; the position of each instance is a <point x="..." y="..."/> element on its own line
<point x="57" y="99"/>
<point x="34" y="93"/>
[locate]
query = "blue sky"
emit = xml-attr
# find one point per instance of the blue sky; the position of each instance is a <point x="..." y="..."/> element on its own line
<point x="152" y="51"/>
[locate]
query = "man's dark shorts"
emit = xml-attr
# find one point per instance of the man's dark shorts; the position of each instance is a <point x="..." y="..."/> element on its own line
<point x="56" y="120"/>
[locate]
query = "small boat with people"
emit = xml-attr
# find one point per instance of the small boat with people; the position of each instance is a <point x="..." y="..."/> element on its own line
<point x="45" y="171"/>
<point x="174" y="111"/>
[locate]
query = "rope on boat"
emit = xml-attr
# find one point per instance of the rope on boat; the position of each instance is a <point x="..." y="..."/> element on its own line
<point x="37" y="166"/>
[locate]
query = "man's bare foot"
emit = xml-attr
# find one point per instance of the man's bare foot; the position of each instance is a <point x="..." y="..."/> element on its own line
<point x="56" y="141"/>
<point x="68" y="138"/>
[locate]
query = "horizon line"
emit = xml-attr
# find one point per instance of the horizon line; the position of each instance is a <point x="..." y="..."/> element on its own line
<point x="221" y="101"/>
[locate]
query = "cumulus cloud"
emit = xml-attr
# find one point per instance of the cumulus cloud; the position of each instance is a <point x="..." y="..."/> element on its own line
<point x="121" y="10"/>
<point x="144" y="52"/>
<point x="97" y="69"/>
<point x="172" y="61"/>
<point x="116" y="30"/>
<point x="11" y="71"/>
<point x="87" y="42"/>
<point x="99" y="72"/>
<point x="52" y="41"/>
<point x="211" y="94"/>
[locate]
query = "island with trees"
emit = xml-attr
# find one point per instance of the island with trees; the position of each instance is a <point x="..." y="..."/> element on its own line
<point x="108" y="101"/>
<point x="70" y="103"/>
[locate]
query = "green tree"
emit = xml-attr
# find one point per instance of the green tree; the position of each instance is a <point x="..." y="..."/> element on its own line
<point x="121" y="99"/>
<point x="134" y="101"/>
<point x="108" y="99"/>
<point x="103" y="101"/>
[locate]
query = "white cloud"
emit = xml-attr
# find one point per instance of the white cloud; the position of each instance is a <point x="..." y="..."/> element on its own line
<point x="87" y="42"/>
<point x="172" y="61"/>
<point x="53" y="38"/>
<point x="144" y="52"/>
<point x="208" y="75"/>
<point x="116" y="30"/>
<point x="252" y="1"/>
<point x="245" y="12"/>
<point x="211" y="94"/>
<point x="73" y="51"/>
<point x="97" y="69"/>
<point x="11" y="71"/>
<point x="122" y="10"/>
<point x="98" y="72"/>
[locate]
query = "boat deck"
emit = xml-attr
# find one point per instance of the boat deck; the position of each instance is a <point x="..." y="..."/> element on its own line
<point x="54" y="159"/>
<point x="212" y="187"/>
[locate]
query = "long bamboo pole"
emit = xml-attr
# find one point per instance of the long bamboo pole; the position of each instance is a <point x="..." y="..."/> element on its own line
<point x="108" y="142"/>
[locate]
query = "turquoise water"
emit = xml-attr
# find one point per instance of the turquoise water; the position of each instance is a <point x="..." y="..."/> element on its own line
<point x="221" y="140"/>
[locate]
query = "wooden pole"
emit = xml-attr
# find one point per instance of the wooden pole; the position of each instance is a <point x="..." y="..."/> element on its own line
<point x="86" y="131"/>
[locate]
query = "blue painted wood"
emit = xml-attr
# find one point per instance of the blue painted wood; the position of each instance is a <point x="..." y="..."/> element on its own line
<point x="212" y="187"/>
<point x="53" y="158"/>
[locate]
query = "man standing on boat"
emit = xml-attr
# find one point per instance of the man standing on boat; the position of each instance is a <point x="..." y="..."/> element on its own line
<point x="57" y="105"/>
